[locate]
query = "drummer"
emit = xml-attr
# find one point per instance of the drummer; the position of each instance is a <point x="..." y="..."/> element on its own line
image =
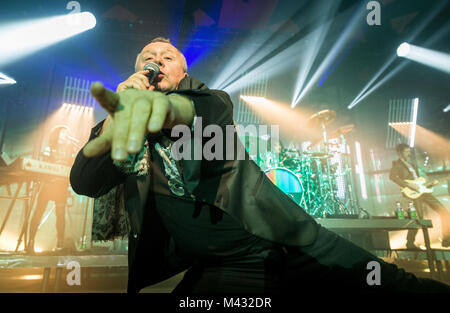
<point x="271" y="158"/>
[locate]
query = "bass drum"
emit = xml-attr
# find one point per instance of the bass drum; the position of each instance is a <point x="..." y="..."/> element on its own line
<point x="287" y="182"/>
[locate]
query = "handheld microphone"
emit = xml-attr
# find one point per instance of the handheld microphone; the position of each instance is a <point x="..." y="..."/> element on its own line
<point x="153" y="69"/>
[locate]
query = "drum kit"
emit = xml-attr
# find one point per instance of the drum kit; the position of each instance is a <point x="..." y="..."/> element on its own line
<point x="319" y="181"/>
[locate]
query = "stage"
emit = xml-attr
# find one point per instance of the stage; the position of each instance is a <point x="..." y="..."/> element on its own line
<point x="337" y="110"/>
<point x="49" y="271"/>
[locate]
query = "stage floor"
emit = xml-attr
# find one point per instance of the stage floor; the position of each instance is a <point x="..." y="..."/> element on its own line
<point x="104" y="268"/>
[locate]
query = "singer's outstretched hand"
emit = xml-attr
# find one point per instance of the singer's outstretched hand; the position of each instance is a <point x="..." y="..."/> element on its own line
<point x="132" y="114"/>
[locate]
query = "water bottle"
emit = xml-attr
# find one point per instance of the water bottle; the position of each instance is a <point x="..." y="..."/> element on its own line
<point x="399" y="211"/>
<point x="412" y="211"/>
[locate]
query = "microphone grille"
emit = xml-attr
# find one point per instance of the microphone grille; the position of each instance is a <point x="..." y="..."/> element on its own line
<point x="152" y="67"/>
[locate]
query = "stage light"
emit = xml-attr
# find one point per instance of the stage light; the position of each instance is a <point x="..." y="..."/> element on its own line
<point x="360" y="170"/>
<point x="376" y="166"/>
<point x="372" y="80"/>
<point x="291" y="123"/>
<point x="403" y="49"/>
<point x="399" y="123"/>
<point x="440" y="57"/>
<point x="435" y="59"/>
<point x="5" y="80"/>
<point x="343" y="39"/>
<point x="271" y="55"/>
<point x="31" y="277"/>
<point x="446" y="109"/>
<point x="428" y="18"/>
<point x="378" y="84"/>
<point x="435" y="144"/>
<point x="23" y="38"/>
<point x="412" y="134"/>
<point x="312" y="50"/>
<point x="255" y="100"/>
<point x="77" y="108"/>
<point x="256" y="49"/>
<point x="268" y="66"/>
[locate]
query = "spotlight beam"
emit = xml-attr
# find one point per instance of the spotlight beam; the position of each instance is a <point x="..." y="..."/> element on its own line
<point x="412" y="134"/>
<point x="237" y="66"/>
<point x="286" y="44"/>
<point x="314" y="47"/>
<point x="425" y="139"/>
<point x="339" y="44"/>
<point x="372" y="80"/>
<point x="5" y="80"/>
<point x="393" y="57"/>
<point x="400" y="66"/>
<point x="23" y="38"/>
<point x="360" y="170"/>
<point x="394" y="72"/>
<point x="291" y="123"/>
<point x="435" y="59"/>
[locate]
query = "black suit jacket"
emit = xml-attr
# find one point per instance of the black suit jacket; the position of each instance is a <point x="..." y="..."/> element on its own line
<point x="399" y="172"/>
<point x="237" y="187"/>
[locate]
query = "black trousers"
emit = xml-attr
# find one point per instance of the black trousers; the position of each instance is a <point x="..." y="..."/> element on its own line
<point x="330" y="264"/>
<point x="439" y="208"/>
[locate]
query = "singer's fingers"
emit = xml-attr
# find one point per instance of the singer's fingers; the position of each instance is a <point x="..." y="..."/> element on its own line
<point x="160" y="109"/>
<point x="141" y="112"/>
<point x="99" y="145"/>
<point x="143" y="72"/>
<point x="105" y="97"/>
<point x="122" y="119"/>
<point x="143" y="78"/>
<point x="139" y="83"/>
<point x="130" y="84"/>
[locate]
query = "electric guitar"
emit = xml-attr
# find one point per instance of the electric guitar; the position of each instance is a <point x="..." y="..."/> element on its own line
<point x="421" y="185"/>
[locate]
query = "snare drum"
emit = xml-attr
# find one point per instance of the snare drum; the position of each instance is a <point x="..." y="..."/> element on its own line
<point x="287" y="182"/>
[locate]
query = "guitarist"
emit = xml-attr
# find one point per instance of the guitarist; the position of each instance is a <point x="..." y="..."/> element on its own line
<point x="403" y="169"/>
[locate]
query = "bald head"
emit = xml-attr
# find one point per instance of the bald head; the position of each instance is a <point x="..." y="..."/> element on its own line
<point x="139" y="58"/>
<point x="170" y="60"/>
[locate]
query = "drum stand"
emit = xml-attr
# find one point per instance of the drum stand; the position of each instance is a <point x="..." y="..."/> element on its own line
<point x="310" y="191"/>
<point x="352" y="202"/>
<point x="328" y="199"/>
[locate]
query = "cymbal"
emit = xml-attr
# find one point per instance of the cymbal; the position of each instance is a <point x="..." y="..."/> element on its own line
<point x="335" y="134"/>
<point x="320" y="140"/>
<point x="318" y="154"/>
<point x="325" y="116"/>
<point x="342" y="131"/>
